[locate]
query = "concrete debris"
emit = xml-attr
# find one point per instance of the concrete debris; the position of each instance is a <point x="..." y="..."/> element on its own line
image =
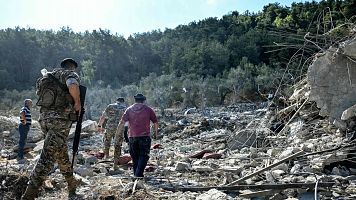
<point x="248" y="146"/>
<point x="213" y="194"/>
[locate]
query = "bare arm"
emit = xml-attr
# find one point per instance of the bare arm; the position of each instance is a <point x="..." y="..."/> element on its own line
<point x="120" y="127"/>
<point x="155" y="125"/>
<point x="100" y="123"/>
<point x="101" y="120"/>
<point x="75" y="93"/>
<point x="23" y="118"/>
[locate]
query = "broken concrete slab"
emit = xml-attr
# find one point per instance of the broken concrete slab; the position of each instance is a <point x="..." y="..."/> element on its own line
<point x="332" y="80"/>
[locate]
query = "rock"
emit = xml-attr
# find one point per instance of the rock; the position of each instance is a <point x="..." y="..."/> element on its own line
<point x="310" y="179"/>
<point x="243" y="138"/>
<point x="6" y="133"/>
<point x="286" y="153"/>
<point x="273" y="152"/>
<point x="8" y="123"/>
<point x="296" y="127"/>
<point x="333" y="73"/>
<point x="88" y="127"/>
<point x="277" y="174"/>
<point x="183" y="122"/>
<point x="308" y="147"/>
<point x="278" y="197"/>
<point x="352" y="171"/>
<point x="4" y="153"/>
<point x="342" y="171"/>
<point x="28" y="147"/>
<point x="235" y="170"/>
<point x="202" y="169"/>
<point x="348" y="113"/>
<point x="340" y="124"/>
<point x="39" y="146"/>
<point x="84" y="171"/>
<point x="103" y="170"/>
<point x="35" y="135"/>
<point x="128" y="188"/>
<point x="349" y="48"/>
<point x="48" y="184"/>
<point x="295" y="169"/>
<point x="269" y="177"/>
<point x="150" y="168"/>
<point x="351" y="189"/>
<point x="182" y="167"/>
<point x="90" y="160"/>
<point x="189" y="111"/>
<point x="168" y="170"/>
<point x="213" y="194"/>
<point x="284" y="167"/>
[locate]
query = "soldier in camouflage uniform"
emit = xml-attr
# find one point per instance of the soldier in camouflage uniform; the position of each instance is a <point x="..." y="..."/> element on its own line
<point x="56" y="123"/>
<point x="112" y="115"/>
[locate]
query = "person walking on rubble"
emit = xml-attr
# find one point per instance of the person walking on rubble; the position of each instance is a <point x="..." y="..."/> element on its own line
<point x="59" y="99"/>
<point x="24" y="127"/>
<point x="112" y="115"/>
<point x="139" y="117"/>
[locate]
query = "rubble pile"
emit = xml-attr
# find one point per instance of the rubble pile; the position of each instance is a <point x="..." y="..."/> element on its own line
<point x="302" y="149"/>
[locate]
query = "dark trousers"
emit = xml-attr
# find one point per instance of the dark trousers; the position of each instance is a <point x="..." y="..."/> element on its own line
<point x="126" y="130"/>
<point x="139" y="151"/>
<point x="23" y="130"/>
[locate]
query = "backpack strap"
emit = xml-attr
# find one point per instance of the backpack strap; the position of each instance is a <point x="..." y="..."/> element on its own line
<point x="61" y="85"/>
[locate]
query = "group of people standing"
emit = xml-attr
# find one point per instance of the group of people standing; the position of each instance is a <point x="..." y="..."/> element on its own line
<point x="56" y="119"/>
<point x="137" y="117"/>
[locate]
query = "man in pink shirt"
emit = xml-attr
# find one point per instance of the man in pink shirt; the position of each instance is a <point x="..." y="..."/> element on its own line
<point x="139" y="116"/>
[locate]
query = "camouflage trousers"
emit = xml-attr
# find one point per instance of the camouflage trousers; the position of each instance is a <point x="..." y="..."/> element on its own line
<point x="54" y="150"/>
<point x="108" y="136"/>
<point x="118" y="144"/>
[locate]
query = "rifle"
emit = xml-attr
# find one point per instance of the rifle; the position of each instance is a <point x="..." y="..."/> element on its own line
<point x="78" y="127"/>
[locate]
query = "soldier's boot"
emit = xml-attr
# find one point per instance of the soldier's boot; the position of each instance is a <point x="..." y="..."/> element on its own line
<point x="73" y="183"/>
<point x="30" y="193"/>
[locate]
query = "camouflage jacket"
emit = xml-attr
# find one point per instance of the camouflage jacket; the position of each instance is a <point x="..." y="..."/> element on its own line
<point x="113" y="113"/>
<point x="62" y="75"/>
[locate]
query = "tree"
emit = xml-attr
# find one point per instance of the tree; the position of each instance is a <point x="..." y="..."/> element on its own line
<point x="88" y="71"/>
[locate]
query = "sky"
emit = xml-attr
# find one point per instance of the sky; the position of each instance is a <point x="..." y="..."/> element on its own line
<point x="122" y="17"/>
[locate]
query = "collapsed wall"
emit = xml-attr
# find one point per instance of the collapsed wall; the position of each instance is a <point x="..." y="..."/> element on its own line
<point x="332" y="80"/>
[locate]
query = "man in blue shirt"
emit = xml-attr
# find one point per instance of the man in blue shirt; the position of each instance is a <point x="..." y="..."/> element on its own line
<point x="24" y="126"/>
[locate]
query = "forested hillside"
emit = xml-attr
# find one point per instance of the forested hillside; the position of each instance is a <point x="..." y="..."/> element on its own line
<point x="239" y="53"/>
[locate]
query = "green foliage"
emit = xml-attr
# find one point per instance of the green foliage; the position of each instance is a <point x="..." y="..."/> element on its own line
<point x="211" y="59"/>
<point x="88" y="71"/>
<point x="13" y="99"/>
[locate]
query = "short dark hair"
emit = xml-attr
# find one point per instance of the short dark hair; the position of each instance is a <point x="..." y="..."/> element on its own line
<point x="139" y="100"/>
<point x="120" y="99"/>
<point x="67" y="62"/>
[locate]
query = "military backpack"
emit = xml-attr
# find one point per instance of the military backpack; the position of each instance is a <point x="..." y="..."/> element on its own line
<point x="52" y="94"/>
